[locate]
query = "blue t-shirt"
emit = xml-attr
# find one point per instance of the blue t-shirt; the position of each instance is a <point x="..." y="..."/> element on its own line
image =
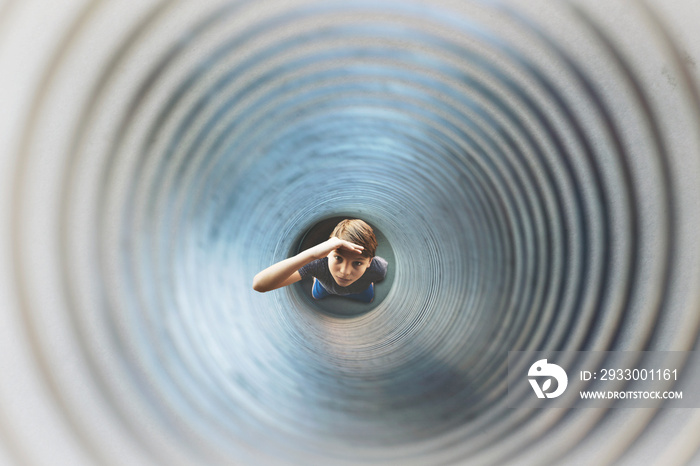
<point x="319" y="269"/>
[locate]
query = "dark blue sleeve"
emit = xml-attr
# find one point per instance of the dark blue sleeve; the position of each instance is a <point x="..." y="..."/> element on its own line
<point x="377" y="270"/>
<point x="313" y="268"/>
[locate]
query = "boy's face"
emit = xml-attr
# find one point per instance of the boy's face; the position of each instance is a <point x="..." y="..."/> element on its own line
<point x="347" y="267"/>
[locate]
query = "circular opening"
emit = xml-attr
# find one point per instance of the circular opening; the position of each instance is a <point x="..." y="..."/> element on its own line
<point x="336" y="305"/>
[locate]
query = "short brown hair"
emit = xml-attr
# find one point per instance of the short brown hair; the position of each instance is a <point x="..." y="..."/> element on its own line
<point x="358" y="232"/>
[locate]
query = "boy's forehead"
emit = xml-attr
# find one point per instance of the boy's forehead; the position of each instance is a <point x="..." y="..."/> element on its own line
<point x="349" y="255"/>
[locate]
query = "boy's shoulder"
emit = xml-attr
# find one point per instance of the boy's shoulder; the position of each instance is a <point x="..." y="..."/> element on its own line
<point x="379" y="261"/>
<point x="379" y="265"/>
<point x="315" y="267"/>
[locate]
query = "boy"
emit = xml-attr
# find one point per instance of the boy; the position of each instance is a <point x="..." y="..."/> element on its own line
<point x="344" y="265"/>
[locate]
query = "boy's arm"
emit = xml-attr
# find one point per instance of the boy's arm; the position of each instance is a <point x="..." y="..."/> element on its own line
<point x="286" y="272"/>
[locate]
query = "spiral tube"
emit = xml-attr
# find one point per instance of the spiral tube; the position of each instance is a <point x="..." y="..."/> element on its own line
<point x="532" y="167"/>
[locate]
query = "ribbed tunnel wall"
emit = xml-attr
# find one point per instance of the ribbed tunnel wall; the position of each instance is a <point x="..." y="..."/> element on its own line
<point x="533" y="165"/>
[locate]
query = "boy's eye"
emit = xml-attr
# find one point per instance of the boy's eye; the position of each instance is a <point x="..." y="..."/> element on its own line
<point x="358" y="264"/>
<point x="338" y="258"/>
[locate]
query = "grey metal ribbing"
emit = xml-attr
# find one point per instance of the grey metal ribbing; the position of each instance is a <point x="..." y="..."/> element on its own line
<point x="534" y="166"/>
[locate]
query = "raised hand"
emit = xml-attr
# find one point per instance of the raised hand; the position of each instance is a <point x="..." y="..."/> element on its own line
<point x="323" y="249"/>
